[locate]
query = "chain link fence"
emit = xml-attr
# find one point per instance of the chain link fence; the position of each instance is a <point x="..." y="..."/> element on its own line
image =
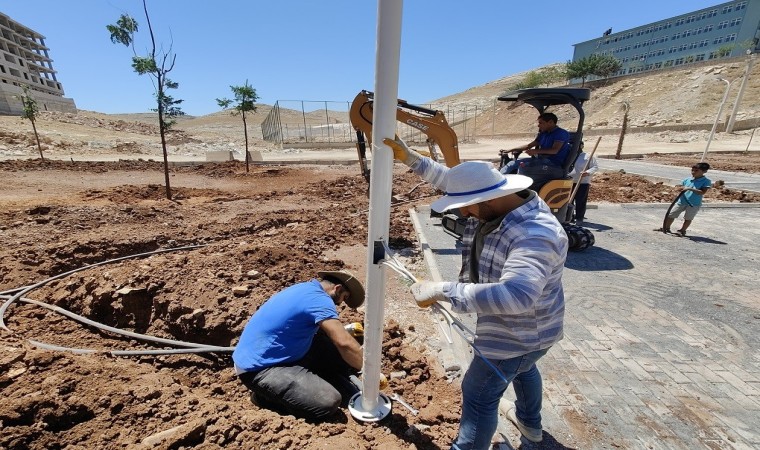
<point x="326" y="122"/>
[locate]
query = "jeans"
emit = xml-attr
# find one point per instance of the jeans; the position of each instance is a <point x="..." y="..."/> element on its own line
<point x="482" y="389"/>
<point x="311" y="388"/>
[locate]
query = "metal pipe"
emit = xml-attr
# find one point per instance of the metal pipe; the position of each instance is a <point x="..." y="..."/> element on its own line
<point x="387" y="58"/>
<point x="717" y="118"/>
<point x="327" y="118"/>
<point x="747" y="70"/>
<point x="303" y="114"/>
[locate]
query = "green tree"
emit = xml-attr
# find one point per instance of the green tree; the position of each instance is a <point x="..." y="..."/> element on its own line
<point x="579" y="69"/>
<point x="530" y="80"/>
<point x="536" y="78"/>
<point x="725" y="50"/>
<point x="30" y="111"/>
<point x="553" y="75"/>
<point x="244" y="101"/>
<point x="599" y="65"/>
<point x="157" y="64"/>
<point x="606" y="65"/>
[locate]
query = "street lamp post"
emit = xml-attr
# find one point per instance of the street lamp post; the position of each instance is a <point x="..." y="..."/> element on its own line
<point x="717" y="117"/>
<point x="747" y="70"/>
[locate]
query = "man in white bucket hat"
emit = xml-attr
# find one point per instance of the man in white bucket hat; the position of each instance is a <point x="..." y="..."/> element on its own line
<point x="513" y="253"/>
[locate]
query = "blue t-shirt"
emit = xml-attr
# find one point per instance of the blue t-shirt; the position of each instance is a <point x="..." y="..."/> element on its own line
<point x="696" y="183"/>
<point x="283" y="328"/>
<point x="547" y="139"/>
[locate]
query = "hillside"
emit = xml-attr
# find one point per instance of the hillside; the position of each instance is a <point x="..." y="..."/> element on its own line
<point x="674" y="98"/>
<point x="689" y="95"/>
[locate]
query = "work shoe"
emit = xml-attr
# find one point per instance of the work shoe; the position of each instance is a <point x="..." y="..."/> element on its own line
<point x="681" y="232"/>
<point x="531" y="434"/>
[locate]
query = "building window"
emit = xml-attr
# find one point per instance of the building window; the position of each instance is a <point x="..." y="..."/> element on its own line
<point x="678" y="62"/>
<point x="700" y="57"/>
<point x="735" y="22"/>
<point x="679" y="22"/>
<point x="726" y="9"/>
<point x="731" y="37"/>
<point x="723" y="24"/>
<point x="741" y="5"/>
<point x="708" y="28"/>
<point x="718" y="41"/>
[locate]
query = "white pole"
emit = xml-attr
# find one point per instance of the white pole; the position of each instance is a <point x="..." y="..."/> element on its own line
<point x="717" y="118"/>
<point x="373" y="405"/>
<point x="747" y="70"/>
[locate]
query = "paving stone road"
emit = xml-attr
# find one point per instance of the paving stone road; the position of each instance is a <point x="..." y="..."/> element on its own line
<point x="661" y="332"/>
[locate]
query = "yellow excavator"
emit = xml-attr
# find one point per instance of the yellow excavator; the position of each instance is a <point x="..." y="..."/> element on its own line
<point x="431" y="122"/>
<point x="440" y="136"/>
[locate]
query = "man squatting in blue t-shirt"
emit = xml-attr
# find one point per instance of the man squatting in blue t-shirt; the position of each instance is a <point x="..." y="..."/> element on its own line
<point x="295" y="355"/>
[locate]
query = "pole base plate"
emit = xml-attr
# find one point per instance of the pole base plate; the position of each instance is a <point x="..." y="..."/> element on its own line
<point x="356" y="408"/>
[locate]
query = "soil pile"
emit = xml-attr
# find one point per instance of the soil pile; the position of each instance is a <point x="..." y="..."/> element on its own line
<point x="268" y="229"/>
<point x="260" y="232"/>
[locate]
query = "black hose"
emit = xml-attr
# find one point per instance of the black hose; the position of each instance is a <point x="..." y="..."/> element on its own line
<point x="26" y="289"/>
<point x="670" y="208"/>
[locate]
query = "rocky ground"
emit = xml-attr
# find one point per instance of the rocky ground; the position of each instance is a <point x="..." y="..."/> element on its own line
<point x="259" y="231"/>
<point x="256" y="233"/>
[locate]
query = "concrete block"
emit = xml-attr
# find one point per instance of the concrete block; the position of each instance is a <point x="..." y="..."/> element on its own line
<point x="255" y="156"/>
<point x="218" y="156"/>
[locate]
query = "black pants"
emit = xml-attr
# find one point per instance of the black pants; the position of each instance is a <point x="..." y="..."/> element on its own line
<point x="313" y="387"/>
<point x="581" y="197"/>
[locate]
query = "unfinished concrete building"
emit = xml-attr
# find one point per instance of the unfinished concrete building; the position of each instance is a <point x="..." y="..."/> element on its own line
<point x="25" y="61"/>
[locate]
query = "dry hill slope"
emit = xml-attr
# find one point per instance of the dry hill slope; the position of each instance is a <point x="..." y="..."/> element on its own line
<point x="675" y="97"/>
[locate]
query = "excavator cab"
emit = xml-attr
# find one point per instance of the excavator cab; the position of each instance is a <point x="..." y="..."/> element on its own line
<point x="430" y="122"/>
<point x="556" y="190"/>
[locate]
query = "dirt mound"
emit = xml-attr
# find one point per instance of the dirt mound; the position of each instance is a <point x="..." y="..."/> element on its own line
<point x="730" y="162"/>
<point x="624" y="188"/>
<point x="205" y="295"/>
<point x="259" y="232"/>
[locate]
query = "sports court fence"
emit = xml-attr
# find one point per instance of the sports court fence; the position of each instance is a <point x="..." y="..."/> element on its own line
<point x="308" y="121"/>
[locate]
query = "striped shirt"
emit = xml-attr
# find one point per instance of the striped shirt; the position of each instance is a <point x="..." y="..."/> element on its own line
<point x="519" y="301"/>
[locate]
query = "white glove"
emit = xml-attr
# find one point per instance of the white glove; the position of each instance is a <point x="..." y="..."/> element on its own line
<point x="428" y="292"/>
<point x="401" y="151"/>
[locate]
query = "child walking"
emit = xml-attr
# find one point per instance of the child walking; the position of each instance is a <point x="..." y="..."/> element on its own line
<point x="691" y="200"/>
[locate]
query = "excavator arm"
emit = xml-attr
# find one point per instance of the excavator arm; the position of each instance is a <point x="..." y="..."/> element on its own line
<point x="430" y="122"/>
